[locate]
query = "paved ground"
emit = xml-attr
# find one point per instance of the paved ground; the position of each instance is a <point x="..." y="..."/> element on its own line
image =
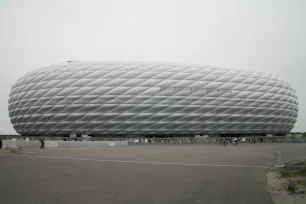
<point x="142" y="174"/>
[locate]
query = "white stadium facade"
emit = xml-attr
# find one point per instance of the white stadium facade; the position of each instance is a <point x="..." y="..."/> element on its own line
<point x="150" y="99"/>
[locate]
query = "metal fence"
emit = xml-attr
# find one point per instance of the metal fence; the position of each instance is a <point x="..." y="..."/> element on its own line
<point x="179" y="140"/>
<point x="215" y="140"/>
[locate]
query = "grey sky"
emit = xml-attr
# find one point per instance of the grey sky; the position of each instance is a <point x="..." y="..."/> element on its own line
<point x="255" y="35"/>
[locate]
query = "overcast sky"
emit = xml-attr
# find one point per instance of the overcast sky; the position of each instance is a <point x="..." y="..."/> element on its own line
<point x="253" y="35"/>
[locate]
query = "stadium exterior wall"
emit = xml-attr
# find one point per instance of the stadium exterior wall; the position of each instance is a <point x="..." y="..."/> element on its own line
<point x="137" y="98"/>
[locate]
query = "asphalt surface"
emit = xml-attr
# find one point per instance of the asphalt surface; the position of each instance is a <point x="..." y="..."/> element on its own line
<point x="142" y="174"/>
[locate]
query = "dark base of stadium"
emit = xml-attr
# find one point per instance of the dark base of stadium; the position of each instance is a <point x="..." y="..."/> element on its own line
<point x="153" y="136"/>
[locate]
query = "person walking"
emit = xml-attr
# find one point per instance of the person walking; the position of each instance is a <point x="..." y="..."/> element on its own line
<point x="42" y="142"/>
<point x="234" y="142"/>
<point x="238" y="141"/>
<point x="0" y="143"/>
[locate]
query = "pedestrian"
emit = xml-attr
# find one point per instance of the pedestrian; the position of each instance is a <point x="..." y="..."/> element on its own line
<point x="234" y="141"/>
<point x="0" y="143"/>
<point x="237" y="141"/>
<point x="42" y="142"/>
<point x="221" y="141"/>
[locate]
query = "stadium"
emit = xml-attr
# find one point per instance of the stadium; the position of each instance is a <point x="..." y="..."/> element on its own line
<point x="150" y="99"/>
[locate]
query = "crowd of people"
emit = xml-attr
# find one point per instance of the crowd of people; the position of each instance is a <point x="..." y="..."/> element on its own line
<point x="224" y="141"/>
<point x="235" y="141"/>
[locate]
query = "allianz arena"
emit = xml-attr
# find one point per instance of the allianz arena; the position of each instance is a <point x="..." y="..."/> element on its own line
<point x="150" y="99"/>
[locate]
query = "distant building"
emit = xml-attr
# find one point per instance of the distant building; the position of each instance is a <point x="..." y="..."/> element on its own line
<point x="139" y="98"/>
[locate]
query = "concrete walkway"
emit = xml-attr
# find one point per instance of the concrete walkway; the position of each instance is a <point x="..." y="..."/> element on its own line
<point x="141" y="174"/>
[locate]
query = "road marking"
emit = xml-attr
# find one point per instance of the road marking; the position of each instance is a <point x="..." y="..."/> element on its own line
<point x="72" y="148"/>
<point x="144" y="162"/>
